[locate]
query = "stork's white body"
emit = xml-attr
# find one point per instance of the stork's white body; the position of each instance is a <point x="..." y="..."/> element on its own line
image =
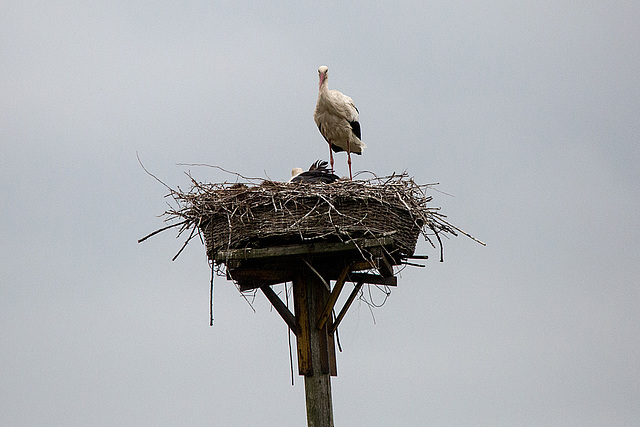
<point x="337" y="119"/>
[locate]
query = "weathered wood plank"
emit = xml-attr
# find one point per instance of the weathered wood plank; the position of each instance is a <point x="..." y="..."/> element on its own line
<point x="301" y="307"/>
<point x="324" y="282"/>
<point x="347" y="304"/>
<point x="301" y="249"/>
<point x="318" y="399"/>
<point x="318" y="385"/>
<point x="323" y="335"/>
<point x="333" y="364"/>
<point x="261" y="274"/>
<point x="373" y="279"/>
<point x="362" y="265"/>
<point x="252" y="278"/>
<point x="333" y="297"/>
<point x="384" y="267"/>
<point x="382" y="258"/>
<point x="280" y="307"/>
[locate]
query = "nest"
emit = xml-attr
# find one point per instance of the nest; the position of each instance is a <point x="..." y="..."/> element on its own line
<point x="235" y="216"/>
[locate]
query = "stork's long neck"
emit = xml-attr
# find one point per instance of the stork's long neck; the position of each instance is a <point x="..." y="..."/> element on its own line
<point x="322" y="86"/>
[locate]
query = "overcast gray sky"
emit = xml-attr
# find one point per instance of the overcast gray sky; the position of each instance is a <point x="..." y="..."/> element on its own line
<point x="527" y="113"/>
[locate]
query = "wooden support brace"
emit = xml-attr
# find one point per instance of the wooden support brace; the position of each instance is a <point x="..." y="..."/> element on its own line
<point x="280" y="307"/>
<point x="347" y="304"/>
<point x="331" y="302"/>
<point x="333" y="365"/>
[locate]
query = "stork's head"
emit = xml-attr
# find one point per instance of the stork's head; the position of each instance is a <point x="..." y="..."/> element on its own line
<point x="323" y="73"/>
<point x="295" y="172"/>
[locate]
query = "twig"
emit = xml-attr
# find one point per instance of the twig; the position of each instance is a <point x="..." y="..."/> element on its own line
<point x="149" y="173"/>
<point x="211" y="264"/>
<point x="185" y="244"/>
<point x="161" y="230"/>
<point x="222" y="169"/>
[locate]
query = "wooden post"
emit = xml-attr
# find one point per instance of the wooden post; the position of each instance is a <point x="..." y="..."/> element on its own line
<point x="311" y="267"/>
<point x="315" y="347"/>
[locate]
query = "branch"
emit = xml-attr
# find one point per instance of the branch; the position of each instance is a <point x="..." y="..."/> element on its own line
<point x="149" y="173"/>
<point x="161" y="230"/>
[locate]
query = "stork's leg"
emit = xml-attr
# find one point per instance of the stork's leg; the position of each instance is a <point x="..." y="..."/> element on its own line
<point x="331" y="157"/>
<point x="349" y="158"/>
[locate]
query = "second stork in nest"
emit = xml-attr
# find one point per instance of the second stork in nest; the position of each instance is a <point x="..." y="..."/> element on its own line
<point x="318" y="172"/>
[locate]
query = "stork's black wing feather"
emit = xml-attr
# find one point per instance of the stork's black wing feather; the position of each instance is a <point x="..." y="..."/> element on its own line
<point x="355" y="127"/>
<point x="318" y="172"/>
<point x="320" y="165"/>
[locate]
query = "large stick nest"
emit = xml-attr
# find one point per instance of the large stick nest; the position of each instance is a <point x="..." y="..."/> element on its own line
<point x="241" y="215"/>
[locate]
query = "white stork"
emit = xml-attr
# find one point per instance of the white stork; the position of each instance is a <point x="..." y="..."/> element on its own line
<point x="318" y="172"/>
<point x="337" y="118"/>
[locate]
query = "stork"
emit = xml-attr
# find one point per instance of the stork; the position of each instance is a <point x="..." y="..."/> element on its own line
<point x="318" y="172"/>
<point x="337" y="119"/>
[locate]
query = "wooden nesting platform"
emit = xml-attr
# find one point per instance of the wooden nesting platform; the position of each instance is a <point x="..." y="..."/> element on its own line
<point x="311" y="267"/>
<point x="275" y="232"/>
<point x="269" y="232"/>
<point x="254" y="268"/>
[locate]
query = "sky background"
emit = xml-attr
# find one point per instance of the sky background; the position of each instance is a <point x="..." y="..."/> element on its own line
<point x="526" y="113"/>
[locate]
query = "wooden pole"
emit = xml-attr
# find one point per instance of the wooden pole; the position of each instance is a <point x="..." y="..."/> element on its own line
<point x="315" y="347"/>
